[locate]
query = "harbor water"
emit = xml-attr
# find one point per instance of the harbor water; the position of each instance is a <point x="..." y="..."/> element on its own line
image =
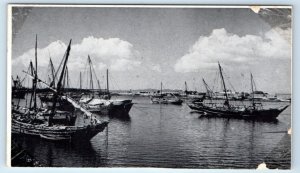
<point x="167" y="136"/>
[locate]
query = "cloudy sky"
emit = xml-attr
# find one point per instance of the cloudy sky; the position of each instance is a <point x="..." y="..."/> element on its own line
<point x="143" y="46"/>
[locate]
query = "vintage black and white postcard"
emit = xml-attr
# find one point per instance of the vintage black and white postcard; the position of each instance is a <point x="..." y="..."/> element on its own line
<point x="167" y="86"/>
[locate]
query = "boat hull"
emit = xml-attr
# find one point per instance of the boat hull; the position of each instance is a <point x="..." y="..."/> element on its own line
<point x="121" y="109"/>
<point x="162" y="100"/>
<point x="196" y="107"/>
<point x="99" y="109"/>
<point x="264" y="114"/>
<point x="175" y="102"/>
<point x="111" y="107"/>
<point x="58" y="133"/>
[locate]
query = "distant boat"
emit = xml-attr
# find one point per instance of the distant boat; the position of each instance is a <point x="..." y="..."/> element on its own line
<point x="165" y="98"/>
<point x="127" y="93"/>
<point x="145" y="93"/>
<point x="27" y="121"/>
<point x="192" y="96"/>
<point x="255" y="111"/>
<point x="265" y="97"/>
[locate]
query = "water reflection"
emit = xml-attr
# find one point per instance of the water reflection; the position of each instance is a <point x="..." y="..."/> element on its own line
<point x="156" y="135"/>
<point x="122" y="117"/>
<point x="204" y="116"/>
<point x="62" y="154"/>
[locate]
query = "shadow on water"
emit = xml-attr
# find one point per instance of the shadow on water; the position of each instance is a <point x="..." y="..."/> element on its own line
<point x="231" y="135"/>
<point x="197" y="112"/>
<point x="21" y="157"/>
<point x="121" y="119"/>
<point x="249" y="120"/>
<point x="115" y="116"/>
<point x="171" y="136"/>
<point x="62" y="154"/>
<point x="120" y="116"/>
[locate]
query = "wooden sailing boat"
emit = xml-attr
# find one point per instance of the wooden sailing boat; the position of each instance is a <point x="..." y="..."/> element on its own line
<point x="93" y="101"/>
<point x="28" y="123"/>
<point x="118" y="107"/>
<point x="102" y="103"/>
<point x="165" y="98"/>
<point x="255" y="111"/>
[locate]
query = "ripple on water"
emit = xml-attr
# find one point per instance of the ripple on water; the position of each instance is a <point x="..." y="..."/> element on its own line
<point x="168" y="136"/>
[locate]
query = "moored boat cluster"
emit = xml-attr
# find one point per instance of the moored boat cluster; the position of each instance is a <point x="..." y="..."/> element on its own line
<point x="51" y="122"/>
<point x="56" y="118"/>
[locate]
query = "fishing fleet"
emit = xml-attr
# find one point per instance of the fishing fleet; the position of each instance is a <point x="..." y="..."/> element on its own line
<point x="52" y="113"/>
<point x="49" y="122"/>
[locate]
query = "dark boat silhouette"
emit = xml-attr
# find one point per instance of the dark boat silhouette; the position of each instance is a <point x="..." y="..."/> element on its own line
<point x="165" y="98"/>
<point x="26" y="122"/>
<point x="254" y="111"/>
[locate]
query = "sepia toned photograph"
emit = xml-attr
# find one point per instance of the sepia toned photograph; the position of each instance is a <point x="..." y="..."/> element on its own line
<point x="161" y="86"/>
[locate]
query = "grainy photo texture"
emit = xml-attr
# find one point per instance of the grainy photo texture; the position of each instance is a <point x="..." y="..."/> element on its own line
<point x="149" y="86"/>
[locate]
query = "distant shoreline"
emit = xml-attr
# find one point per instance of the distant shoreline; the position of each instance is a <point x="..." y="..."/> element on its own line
<point x="140" y="90"/>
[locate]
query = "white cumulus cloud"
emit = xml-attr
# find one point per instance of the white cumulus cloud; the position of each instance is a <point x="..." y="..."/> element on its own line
<point x="124" y="64"/>
<point x="231" y="49"/>
<point x="112" y="53"/>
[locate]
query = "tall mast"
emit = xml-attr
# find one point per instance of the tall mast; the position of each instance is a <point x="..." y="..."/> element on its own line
<point x="253" y="104"/>
<point x="186" y="89"/>
<point x="52" y="72"/>
<point x="161" y="88"/>
<point x="223" y="82"/>
<point x="107" y="84"/>
<point x="208" y="90"/>
<point x="59" y="84"/>
<point x="99" y="86"/>
<point x="33" y="84"/>
<point x="35" y="77"/>
<point x="67" y="75"/>
<point x="66" y="79"/>
<point x="80" y="81"/>
<point x="35" y="55"/>
<point x="64" y="66"/>
<point x="50" y="76"/>
<point x="91" y="73"/>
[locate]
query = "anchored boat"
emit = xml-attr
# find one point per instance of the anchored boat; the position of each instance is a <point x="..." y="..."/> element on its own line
<point x="101" y="102"/>
<point x="165" y="98"/>
<point x="28" y="121"/>
<point x="255" y="111"/>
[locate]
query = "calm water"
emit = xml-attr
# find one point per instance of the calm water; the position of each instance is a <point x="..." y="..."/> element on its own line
<point x="167" y="136"/>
